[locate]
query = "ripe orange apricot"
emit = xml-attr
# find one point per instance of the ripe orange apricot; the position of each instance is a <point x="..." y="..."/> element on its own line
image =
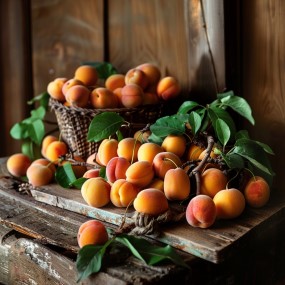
<point x="147" y="151"/>
<point x="151" y="71"/>
<point x="86" y="74"/>
<point x="194" y="152"/>
<point x="39" y="174"/>
<point x="45" y="162"/>
<point x="175" y="144"/>
<point x="230" y="203"/>
<point x="54" y="89"/>
<point x="157" y="183"/>
<point x="70" y="83"/>
<point x="213" y="180"/>
<point x="136" y="76"/>
<point x="140" y="173"/>
<point x="102" y="98"/>
<point x="128" y="148"/>
<point x="151" y="201"/>
<point x="92" y="173"/>
<point x="257" y="192"/>
<point x="78" y="96"/>
<point x="96" y="192"/>
<point x="123" y="193"/>
<point x="176" y="184"/>
<point x="201" y="211"/>
<point x="150" y="98"/>
<point x="168" y="88"/>
<point x="142" y="136"/>
<point x="56" y="149"/>
<point x="164" y="161"/>
<point x="92" y="232"/>
<point x="107" y="150"/>
<point x="45" y="142"/>
<point x="17" y="164"/>
<point x="116" y="168"/>
<point x="115" y="81"/>
<point x="132" y="96"/>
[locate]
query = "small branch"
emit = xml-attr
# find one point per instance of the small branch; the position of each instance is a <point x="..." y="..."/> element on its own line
<point x="197" y="170"/>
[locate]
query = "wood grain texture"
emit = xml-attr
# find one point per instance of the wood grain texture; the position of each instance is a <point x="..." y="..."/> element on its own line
<point x="65" y="34"/>
<point x="263" y="74"/>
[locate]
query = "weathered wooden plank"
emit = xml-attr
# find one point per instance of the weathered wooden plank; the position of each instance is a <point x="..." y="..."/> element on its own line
<point x="214" y="244"/>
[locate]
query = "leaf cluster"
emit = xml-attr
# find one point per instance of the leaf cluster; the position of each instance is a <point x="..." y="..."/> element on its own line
<point x="31" y="130"/>
<point x="90" y="257"/>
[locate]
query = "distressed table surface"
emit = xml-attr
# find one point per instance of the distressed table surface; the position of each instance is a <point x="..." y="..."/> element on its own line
<point x="215" y="244"/>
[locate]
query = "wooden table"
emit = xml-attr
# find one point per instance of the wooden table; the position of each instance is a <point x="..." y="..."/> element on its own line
<point x="38" y="243"/>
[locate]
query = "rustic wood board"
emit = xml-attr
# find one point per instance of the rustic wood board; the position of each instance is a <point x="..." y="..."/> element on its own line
<point x="214" y="244"/>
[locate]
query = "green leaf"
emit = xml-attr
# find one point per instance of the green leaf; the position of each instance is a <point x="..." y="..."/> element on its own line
<point x="254" y="153"/>
<point x="239" y="105"/>
<point x="38" y="113"/>
<point x="187" y="106"/>
<point x="195" y="122"/>
<point x="78" y="183"/>
<point x="104" y="69"/>
<point x="169" y="125"/>
<point x="242" y="134"/>
<point x="223" y="131"/>
<point x="43" y="98"/>
<point x="265" y="147"/>
<point x="19" y="131"/>
<point x="233" y="160"/>
<point x="227" y="94"/>
<point x="89" y="259"/>
<point x="104" y="125"/>
<point x="37" y="131"/>
<point x="65" y="176"/>
<point x="32" y="150"/>
<point x="155" y="139"/>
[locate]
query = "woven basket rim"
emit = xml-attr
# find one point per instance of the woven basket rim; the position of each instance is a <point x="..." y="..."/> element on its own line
<point x="57" y="104"/>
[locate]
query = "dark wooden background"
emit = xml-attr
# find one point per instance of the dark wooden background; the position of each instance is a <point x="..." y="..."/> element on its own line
<point x="208" y="45"/>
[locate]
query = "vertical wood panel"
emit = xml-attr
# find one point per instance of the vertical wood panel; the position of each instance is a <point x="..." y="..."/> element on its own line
<point x="264" y="74"/>
<point x="149" y="31"/>
<point x="65" y="33"/>
<point x="15" y="72"/>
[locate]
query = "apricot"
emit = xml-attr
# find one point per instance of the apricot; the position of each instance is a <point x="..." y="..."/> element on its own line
<point x="148" y="151"/>
<point x="168" y="88"/>
<point x="164" y="161"/>
<point x="107" y="150"/>
<point x="96" y="192"/>
<point x="92" y="173"/>
<point x="203" y="153"/>
<point x="213" y="180"/>
<point x="45" y="142"/>
<point x="123" y="193"/>
<point x="78" y="170"/>
<point x="157" y="183"/>
<point x="86" y="74"/>
<point x="151" y="201"/>
<point x="230" y="203"/>
<point x="116" y="168"/>
<point x="175" y="144"/>
<point x="78" y="96"/>
<point x="132" y="96"/>
<point x="45" y="162"/>
<point x="176" y="184"/>
<point x="150" y="98"/>
<point x="151" y="71"/>
<point x="142" y="136"/>
<point x="115" y="81"/>
<point x="54" y="89"/>
<point x="103" y="98"/>
<point x="201" y="212"/>
<point x="55" y="150"/>
<point x="194" y="152"/>
<point x="70" y="83"/>
<point x="92" y="233"/>
<point x="118" y="93"/>
<point x="91" y="159"/>
<point x="39" y="174"/>
<point x="17" y="164"/>
<point x="128" y="148"/>
<point x="136" y="76"/>
<point x="257" y="192"/>
<point x="140" y="173"/>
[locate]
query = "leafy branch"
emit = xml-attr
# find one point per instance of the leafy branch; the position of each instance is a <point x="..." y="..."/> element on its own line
<point x="90" y="257"/>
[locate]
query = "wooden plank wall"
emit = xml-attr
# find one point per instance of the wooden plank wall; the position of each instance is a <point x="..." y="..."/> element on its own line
<point x="263" y="74"/>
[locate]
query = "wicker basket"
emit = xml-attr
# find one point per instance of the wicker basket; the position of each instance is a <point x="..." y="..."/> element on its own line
<point x="74" y="122"/>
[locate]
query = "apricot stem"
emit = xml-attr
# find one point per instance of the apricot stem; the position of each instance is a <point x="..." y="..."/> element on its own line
<point x="197" y="170"/>
<point x="169" y="159"/>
